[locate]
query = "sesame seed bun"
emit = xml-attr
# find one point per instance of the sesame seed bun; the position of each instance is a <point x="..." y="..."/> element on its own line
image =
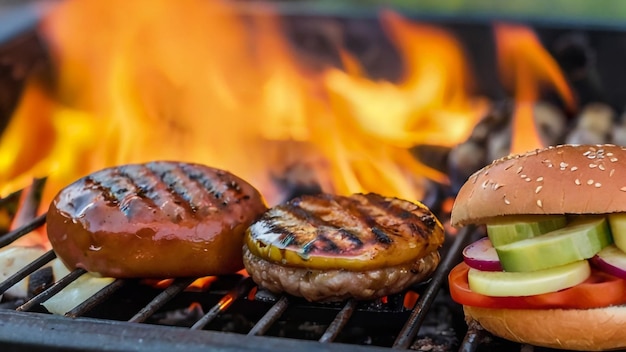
<point x="565" y="179"/>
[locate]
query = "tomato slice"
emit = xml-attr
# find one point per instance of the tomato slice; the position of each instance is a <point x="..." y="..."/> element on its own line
<point x="599" y="290"/>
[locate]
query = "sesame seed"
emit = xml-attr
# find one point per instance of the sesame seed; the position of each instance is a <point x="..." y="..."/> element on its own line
<point x="577" y="181"/>
<point x="592" y="166"/>
<point x="485" y="183"/>
<point x="586" y="153"/>
<point x="563" y="165"/>
<point x="497" y="185"/>
<point x="609" y="154"/>
<point x="611" y="172"/>
<point x="601" y="167"/>
<point x="538" y="189"/>
<point x="591" y="156"/>
<point x="507" y="202"/>
<point x="527" y="179"/>
<point x="540" y="178"/>
<point x="623" y="189"/>
<point x="523" y="176"/>
<point x="574" y="168"/>
<point x="539" y="203"/>
<point x="519" y="169"/>
<point x="508" y="167"/>
<point x="598" y="185"/>
<point x="590" y="182"/>
<point x="613" y="160"/>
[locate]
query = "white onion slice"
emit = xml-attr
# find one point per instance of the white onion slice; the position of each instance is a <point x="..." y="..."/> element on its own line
<point x="481" y="255"/>
<point x="75" y="293"/>
<point x="14" y="258"/>
<point x="611" y="260"/>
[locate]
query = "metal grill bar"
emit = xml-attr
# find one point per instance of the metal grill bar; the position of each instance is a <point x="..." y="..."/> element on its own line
<point x="27" y="270"/>
<point x="178" y="286"/>
<point x="24" y="230"/>
<point x="261" y="327"/>
<point x="96" y="299"/>
<point x="412" y="326"/>
<point x="472" y="338"/>
<point x="340" y="321"/>
<point x="243" y="287"/>
<point x="52" y="290"/>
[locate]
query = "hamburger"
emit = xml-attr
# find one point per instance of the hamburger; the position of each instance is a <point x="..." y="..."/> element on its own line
<point x="551" y="271"/>
<point x="329" y="247"/>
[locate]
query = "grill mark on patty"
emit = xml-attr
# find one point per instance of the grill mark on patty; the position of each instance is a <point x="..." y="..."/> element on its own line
<point x="322" y="229"/>
<point x="141" y="190"/>
<point x="113" y="190"/>
<point x="359" y="208"/>
<point x="424" y="227"/>
<point x="207" y="182"/>
<point x="333" y="224"/>
<point x="381" y="236"/>
<point x="151" y="189"/>
<point x="175" y="183"/>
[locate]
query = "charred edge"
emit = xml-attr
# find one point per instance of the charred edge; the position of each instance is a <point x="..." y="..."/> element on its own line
<point x="105" y="183"/>
<point x="352" y="237"/>
<point x="175" y="186"/>
<point x="235" y="192"/>
<point x="204" y="180"/>
<point x="429" y="220"/>
<point x="426" y="219"/>
<point x="287" y="237"/>
<point x="143" y="191"/>
<point x="371" y="223"/>
<point x="422" y="231"/>
<point x="381" y="236"/>
<point x="306" y="216"/>
<point x="328" y="245"/>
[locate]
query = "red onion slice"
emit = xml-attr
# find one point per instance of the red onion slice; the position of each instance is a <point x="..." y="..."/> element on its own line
<point x="482" y="256"/>
<point x="611" y="260"/>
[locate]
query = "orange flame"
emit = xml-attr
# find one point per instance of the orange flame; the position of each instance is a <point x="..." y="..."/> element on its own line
<point x="526" y="66"/>
<point x="191" y="80"/>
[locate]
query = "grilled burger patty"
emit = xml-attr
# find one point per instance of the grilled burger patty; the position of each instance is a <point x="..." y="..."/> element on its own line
<point x="159" y="219"/>
<point x="329" y="247"/>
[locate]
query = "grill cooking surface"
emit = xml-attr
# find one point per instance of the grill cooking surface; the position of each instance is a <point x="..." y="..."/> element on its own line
<point x="232" y="314"/>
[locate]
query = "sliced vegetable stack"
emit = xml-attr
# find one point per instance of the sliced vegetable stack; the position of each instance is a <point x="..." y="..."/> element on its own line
<point x="538" y="256"/>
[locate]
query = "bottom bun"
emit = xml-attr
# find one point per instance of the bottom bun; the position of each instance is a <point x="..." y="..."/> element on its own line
<point x="572" y="329"/>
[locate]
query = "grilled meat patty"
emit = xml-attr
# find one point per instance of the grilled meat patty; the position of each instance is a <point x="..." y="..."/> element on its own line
<point x="160" y="219"/>
<point x="329" y="247"/>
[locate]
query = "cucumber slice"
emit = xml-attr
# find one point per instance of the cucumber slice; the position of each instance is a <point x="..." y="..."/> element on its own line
<point x="581" y="239"/>
<point x="503" y="284"/>
<point x="617" y="221"/>
<point x="513" y="229"/>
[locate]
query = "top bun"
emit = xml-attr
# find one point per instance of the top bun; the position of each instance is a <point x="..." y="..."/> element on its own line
<point x="564" y="179"/>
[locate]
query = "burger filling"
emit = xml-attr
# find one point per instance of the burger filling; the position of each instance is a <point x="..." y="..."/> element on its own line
<point x="545" y="262"/>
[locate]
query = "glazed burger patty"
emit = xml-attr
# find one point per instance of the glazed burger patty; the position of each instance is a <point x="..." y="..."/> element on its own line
<point x="158" y="219"/>
<point x="329" y="247"/>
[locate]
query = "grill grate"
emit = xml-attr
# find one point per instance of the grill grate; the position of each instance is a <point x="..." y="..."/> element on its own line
<point x="332" y="318"/>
